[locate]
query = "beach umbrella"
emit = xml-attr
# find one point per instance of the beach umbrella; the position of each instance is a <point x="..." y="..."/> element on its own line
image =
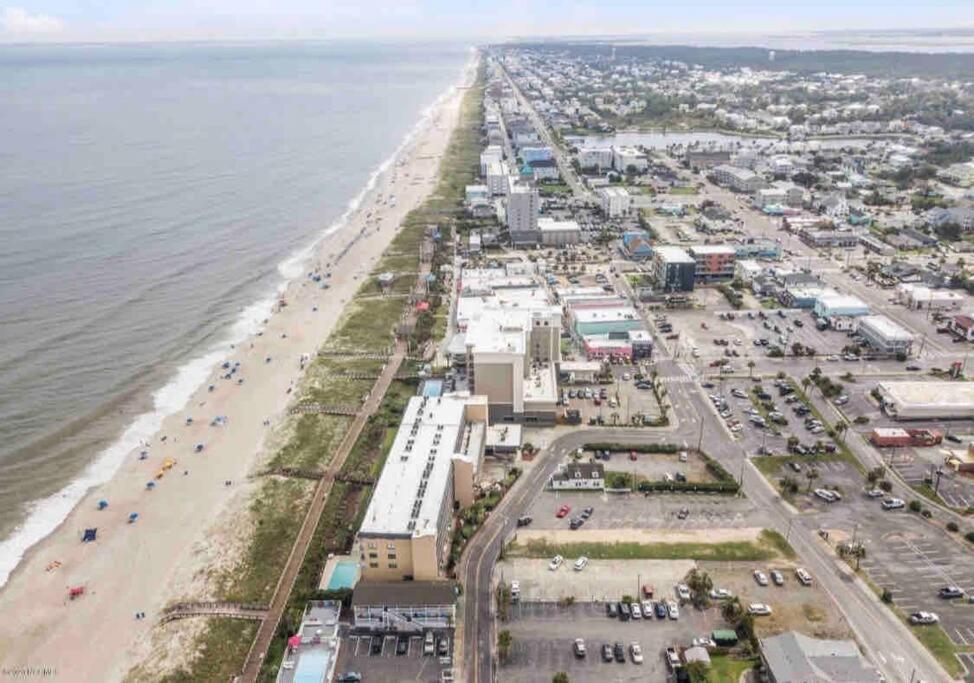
<point x="133" y="516"/>
<point x="90" y="535"/>
<point x="102" y="504"/>
<point x="294" y="641"/>
<point x="199" y="448"/>
<point x="150" y="485"/>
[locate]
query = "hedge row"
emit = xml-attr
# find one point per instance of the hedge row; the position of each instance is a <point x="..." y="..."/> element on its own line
<point x="689" y="486"/>
<point x="639" y="448"/>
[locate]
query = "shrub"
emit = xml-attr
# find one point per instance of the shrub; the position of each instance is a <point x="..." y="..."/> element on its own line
<point x="915" y="506"/>
<point x="952" y="527"/>
<point x="886" y="597"/>
<point x="969" y="536"/>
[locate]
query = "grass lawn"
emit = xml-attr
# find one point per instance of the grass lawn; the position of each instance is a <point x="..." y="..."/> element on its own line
<point x="220" y="651"/>
<point x="770" y="545"/>
<point x="687" y="190"/>
<point x="726" y="669"/>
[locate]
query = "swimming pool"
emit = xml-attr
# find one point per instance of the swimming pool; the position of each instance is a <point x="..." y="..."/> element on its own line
<point x="344" y="575"/>
<point x="433" y="388"/>
<point x="312" y="666"/>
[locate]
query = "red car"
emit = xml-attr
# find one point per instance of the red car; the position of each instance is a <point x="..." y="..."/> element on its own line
<point x="632" y="455"/>
<point x="563" y="511"/>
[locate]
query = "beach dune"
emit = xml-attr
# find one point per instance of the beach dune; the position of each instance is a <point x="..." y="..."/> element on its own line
<point x="139" y="567"/>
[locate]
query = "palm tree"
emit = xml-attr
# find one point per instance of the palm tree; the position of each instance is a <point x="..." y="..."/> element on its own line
<point x="732" y="611"/>
<point x="504" y="641"/>
<point x="805" y="382"/>
<point x="840" y="429"/>
<point x="750" y="369"/>
<point x="812" y="474"/>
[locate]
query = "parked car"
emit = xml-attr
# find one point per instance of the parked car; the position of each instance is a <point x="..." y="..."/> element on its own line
<point x="637" y="612"/>
<point x="826" y="495"/>
<point x="875" y="493"/>
<point x="893" y="504"/>
<point x="803" y="576"/>
<point x="660" y="610"/>
<point x="579" y="648"/>
<point x="350" y="677"/>
<point x="580" y="563"/>
<point x="672" y="659"/>
<point x="619" y="653"/>
<point x="636" y="653"/>
<point x="624" y="612"/>
<point x="402" y="645"/>
<point x="759" y="609"/>
<point x="556" y="562"/>
<point x="777" y="577"/>
<point x="923" y="618"/>
<point x="611" y="610"/>
<point x="720" y="594"/>
<point x="524" y="520"/>
<point x="606" y="652"/>
<point x="443" y="646"/>
<point x="703" y="642"/>
<point x="429" y="644"/>
<point x="575" y="523"/>
<point x="648" y="608"/>
<point x="587" y="512"/>
<point x="760" y="577"/>
<point x="672" y="610"/>
<point x="563" y="511"/>
<point x="683" y="592"/>
<point x="950" y="592"/>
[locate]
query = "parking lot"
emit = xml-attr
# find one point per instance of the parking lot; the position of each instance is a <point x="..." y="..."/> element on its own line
<point x="917" y="466"/>
<point x="616" y="402"/>
<point x="910" y="558"/>
<point x="639" y="511"/>
<point x="376" y="658"/>
<point x="543" y="635"/>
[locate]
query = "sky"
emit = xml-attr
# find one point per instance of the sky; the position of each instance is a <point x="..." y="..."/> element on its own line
<point x="133" y="20"/>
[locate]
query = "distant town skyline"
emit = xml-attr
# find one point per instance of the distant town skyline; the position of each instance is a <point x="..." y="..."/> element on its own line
<point x="710" y="21"/>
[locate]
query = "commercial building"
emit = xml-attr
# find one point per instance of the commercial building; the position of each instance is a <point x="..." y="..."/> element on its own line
<point x="532" y="154"/>
<point x="404" y="607"/>
<point x="523" y="205"/>
<point x="699" y="159"/>
<point x="595" y="158"/>
<point x="603" y="320"/>
<point x="910" y="400"/>
<point x="589" y="476"/>
<point x="714" y="262"/>
<point x="629" y="160"/>
<point x="823" y="239"/>
<point x="555" y="233"/>
<point x="405" y="534"/>
<point x="493" y="154"/>
<point x="738" y="179"/>
<point x="758" y="248"/>
<point x="544" y="169"/>
<point x="312" y="653"/>
<point x="637" y="245"/>
<point x="780" y="194"/>
<point x="672" y="270"/>
<point x="833" y="305"/>
<point x="793" y="657"/>
<point x="920" y="297"/>
<point x="884" y="335"/>
<point x="615" y="201"/>
<point x="497" y="178"/>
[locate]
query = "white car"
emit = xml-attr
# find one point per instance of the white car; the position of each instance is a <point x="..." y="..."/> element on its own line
<point x="760" y="577"/>
<point x="875" y="493"/>
<point x="923" y="618"/>
<point x="703" y="642"/>
<point x="826" y="495"/>
<point x="893" y="504"/>
<point x="803" y="576"/>
<point x="672" y="609"/>
<point x="720" y="594"/>
<point x="682" y="591"/>
<point x="556" y="562"/>
<point x="637" y="613"/>
<point x="759" y="609"/>
<point x="636" y="653"/>
<point x="647" y="608"/>
<point x="580" y="563"/>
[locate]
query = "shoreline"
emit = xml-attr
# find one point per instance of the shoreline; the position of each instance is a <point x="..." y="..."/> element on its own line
<point x="35" y="590"/>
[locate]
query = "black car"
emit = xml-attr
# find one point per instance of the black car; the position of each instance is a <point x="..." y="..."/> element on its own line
<point x="576" y="523"/>
<point x="350" y="677"/>
<point x="402" y="645"/>
<point x="587" y="512"/>
<point x="376" y="647"/>
<point x="624" y="612"/>
<point x="606" y="653"/>
<point x="952" y="438"/>
<point x="683" y="513"/>
<point x="913" y="368"/>
<point x="443" y="646"/>
<point x="524" y="520"/>
<point x="950" y="592"/>
<point x="611" y="610"/>
<point x="619" y="653"/>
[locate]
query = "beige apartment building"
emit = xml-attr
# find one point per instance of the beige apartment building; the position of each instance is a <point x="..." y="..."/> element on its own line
<point x="430" y="469"/>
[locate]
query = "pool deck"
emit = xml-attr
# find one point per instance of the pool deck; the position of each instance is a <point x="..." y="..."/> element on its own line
<point x="319" y="641"/>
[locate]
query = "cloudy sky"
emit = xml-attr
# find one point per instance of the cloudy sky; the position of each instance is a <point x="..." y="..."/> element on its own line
<point x="67" y="20"/>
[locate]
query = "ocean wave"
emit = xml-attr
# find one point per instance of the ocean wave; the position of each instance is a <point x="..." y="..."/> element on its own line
<point x="45" y="515"/>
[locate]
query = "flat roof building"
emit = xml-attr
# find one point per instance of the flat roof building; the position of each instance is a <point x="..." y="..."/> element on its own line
<point x="884" y="335"/>
<point x="913" y="400"/>
<point x="672" y="270"/>
<point x="793" y="657"/>
<point x="404" y="607"/>
<point x="312" y="652"/>
<point x="436" y="452"/>
<point x="555" y="233"/>
<point x="714" y="262"/>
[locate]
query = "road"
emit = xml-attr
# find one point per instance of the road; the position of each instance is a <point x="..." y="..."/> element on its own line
<point x="564" y="164"/>
<point x="886" y="639"/>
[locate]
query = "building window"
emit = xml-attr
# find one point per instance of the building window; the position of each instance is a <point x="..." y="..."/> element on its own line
<point x="393" y="565"/>
<point x="392" y="557"/>
<point x="374" y="565"/>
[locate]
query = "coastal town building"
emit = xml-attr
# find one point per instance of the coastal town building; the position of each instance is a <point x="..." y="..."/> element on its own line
<point x="714" y="262"/>
<point x="588" y="476"/>
<point x="629" y="160"/>
<point x="404" y="607"/>
<point x="884" y="335"/>
<point x="314" y="649"/>
<point x="595" y="158"/>
<point x="523" y="205"/>
<point x="793" y="657"/>
<point x="405" y="534"/>
<point x="738" y="179"/>
<point x="615" y="201"/>
<point x="558" y="233"/>
<point x="672" y="270"/>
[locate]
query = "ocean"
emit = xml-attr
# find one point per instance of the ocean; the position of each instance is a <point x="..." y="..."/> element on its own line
<point x="153" y="198"/>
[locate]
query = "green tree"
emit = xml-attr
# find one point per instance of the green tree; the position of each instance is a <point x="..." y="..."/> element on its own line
<point x="697" y="671"/>
<point x="750" y="369"/>
<point x="811" y="474"/>
<point x="560" y="677"/>
<point x="700" y="585"/>
<point x="840" y="429"/>
<point x="504" y="642"/>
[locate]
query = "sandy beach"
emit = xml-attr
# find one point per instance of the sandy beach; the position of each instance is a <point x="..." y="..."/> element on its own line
<point x="188" y="516"/>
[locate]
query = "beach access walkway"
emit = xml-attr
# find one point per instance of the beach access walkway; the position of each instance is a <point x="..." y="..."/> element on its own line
<point x="268" y="626"/>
